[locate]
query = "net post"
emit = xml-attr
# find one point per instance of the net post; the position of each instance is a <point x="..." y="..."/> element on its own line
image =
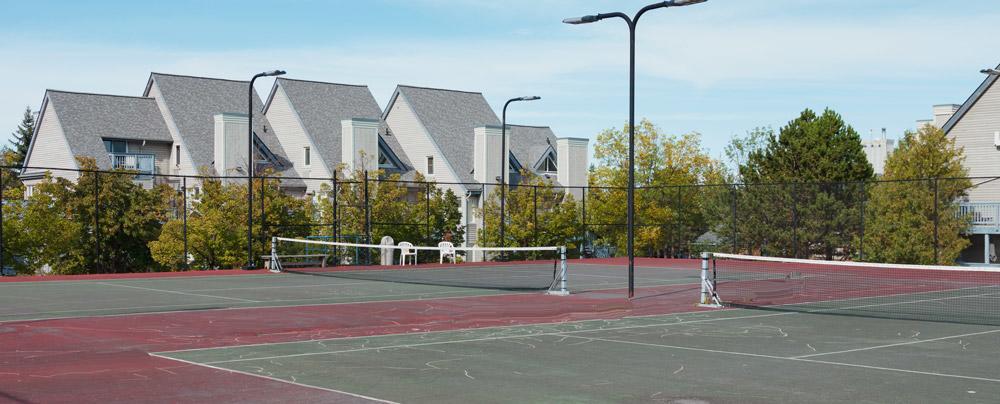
<point x="707" y="286"/>
<point x="274" y="266"/>
<point x="563" y="289"/>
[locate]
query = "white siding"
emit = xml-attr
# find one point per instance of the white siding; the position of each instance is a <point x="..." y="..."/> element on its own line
<point x="187" y="166"/>
<point x="418" y="144"/>
<point x="975" y="133"/>
<point x="294" y="139"/>
<point x="50" y="148"/>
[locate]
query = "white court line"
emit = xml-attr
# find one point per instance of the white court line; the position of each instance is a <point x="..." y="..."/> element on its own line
<point x="793" y="359"/>
<point x="272" y="378"/>
<point x="179" y="292"/>
<point x="898" y="344"/>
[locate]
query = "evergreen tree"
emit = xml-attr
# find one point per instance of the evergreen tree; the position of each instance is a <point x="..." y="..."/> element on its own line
<point x="901" y="213"/>
<point x="803" y="188"/>
<point x="22" y="137"/>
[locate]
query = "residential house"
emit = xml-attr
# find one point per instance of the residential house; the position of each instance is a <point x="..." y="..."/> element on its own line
<point x="454" y="137"/>
<point x="118" y="132"/>
<point x="975" y="126"/>
<point x="181" y="125"/>
<point x="325" y="127"/>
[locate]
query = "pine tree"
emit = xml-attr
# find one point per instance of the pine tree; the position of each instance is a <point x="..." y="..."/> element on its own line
<point x="22" y="137"/>
<point x="804" y="188"/>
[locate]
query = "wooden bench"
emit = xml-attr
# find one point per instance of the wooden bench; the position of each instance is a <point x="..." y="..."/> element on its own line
<point x="300" y="261"/>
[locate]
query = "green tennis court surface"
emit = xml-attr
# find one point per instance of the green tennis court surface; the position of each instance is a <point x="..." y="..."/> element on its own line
<point x="719" y="356"/>
<point x="65" y="299"/>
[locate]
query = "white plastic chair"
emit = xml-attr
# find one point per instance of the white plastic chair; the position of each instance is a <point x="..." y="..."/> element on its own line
<point x="993" y="253"/>
<point x="447" y="250"/>
<point x="406" y="250"/>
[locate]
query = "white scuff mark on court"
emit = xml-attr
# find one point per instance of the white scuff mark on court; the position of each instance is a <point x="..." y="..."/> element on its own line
<point x="811" y="347"/>
<point x="469" y="376"/>
<point x="166" y="370"/>
<point x="529" y="345"/>
<point x="915" y="334"/>
<point x="432" y="366"/>
<point x="585" y="341"/>
<point x="965" y="345"/>
<point x="679" y="370"/>
<point x="139" y="377"/>
<point x="654" y="395"/>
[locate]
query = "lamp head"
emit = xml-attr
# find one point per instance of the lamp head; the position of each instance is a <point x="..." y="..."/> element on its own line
<point x="587" y="19"/>
<point x="273" y="73"/>
<point x="991" y="72"/>
<point x="530" y="98"/>
<point x="680" y="3"/>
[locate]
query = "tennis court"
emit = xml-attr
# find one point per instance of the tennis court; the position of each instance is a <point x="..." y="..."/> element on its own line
<point x="372" y="334"/>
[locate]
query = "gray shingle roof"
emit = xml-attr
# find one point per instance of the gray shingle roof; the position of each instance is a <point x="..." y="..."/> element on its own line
<point x="322" y="106"/>
<point x="193" y="103"/>
<point x="528" y="144"/>
<point x="87" y="118"/>
<point x="451" y="118"/>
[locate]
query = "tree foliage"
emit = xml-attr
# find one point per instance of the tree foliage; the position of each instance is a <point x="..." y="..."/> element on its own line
<point x="901" y="213"/>
<point x="668" y="209"/>
<point x="536" y="214"/>
<point x="21" y="138"/>
<point x="802" y="191"/>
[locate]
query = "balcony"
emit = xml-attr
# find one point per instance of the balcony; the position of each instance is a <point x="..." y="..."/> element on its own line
<point x="985" y="216"/>
<point x="143" y="163"/>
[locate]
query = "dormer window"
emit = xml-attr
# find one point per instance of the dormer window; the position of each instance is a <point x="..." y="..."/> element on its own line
<point x="116" y="146"/>
<point x="549" y="164"/>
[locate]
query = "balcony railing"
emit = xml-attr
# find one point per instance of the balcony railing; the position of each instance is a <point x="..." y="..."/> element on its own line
<point x="985" y="215"/>
<point x="143" y="163"/>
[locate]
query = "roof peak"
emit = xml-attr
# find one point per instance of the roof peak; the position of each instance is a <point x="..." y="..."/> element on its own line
<point x="196" y="77"/>
<point x="97" y="94"/>
<point x="323" y="82"/>
<point x="440" y="89"/>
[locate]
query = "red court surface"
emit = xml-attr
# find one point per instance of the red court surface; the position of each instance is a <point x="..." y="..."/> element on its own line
<point x="105" y="359"/>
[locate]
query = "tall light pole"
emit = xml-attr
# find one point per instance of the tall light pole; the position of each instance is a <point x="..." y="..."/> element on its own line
<point x="503" y="164"/>
<point x="632" y="22"/>
<point x="251" y="263"/>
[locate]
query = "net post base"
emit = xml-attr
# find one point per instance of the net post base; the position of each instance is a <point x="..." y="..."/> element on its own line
<point x="710" y="305"/>
<point x="558" y="293"/>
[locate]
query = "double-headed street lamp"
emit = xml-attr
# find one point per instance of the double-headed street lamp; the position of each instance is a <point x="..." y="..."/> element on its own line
<point x="503" y="163"/>
<point x="250" y="163"/>
<point x="631" y="118"/>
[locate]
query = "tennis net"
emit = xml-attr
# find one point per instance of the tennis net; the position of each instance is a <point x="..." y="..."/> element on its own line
<point x="969" y="295"/>
<point x="543" y="269"/>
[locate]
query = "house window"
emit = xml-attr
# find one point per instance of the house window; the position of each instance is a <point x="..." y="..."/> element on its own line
<point x="549" y="165"/>
<point x="430" y="165"/>
<point x="306" y="157"/>
<point x="177" y="155"/>
<point x="28" y="191"/>
<point x="116" y="146"/>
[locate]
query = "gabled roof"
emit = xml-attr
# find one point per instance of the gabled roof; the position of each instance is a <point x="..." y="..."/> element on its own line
<point x="87" y="119"/>
<point x="530" y="144"/>
<point x="322" y="106"/>
<point x="450" y="118"/>
<point x="193" y="103"/>
<point x="969" y="103"/>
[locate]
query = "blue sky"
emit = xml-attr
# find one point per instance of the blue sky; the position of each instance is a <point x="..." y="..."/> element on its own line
<point x="719" y="68"/>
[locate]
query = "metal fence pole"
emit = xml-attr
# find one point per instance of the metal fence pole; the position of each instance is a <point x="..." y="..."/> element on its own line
<point x="583" y="221"/>
<point x="263" y="216"/>
<point x="97" y="218"/>
<point x="534" y="215"/>
<point x="795" y="222"/>
<point x="336" y="218"/>
<point x="184" y="209"/>
<point x="1" y="220"/>
<point x="736" y="233"/>
<point x="427" y="210"/>
<point x="937" y="252"/>
<point x="864" y="199"/>
<point x="368" y="220"/>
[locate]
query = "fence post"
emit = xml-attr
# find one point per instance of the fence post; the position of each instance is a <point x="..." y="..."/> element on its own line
<point x="864" y="199"/>
<point x="184" y="208"/>
<point x="585" y="240"/>
<point x="534" y="214"/>
<point x="795" y="221"/>
<point x="1" y="219"/>
<point x="736" y="232"/>
<point x="263" y="216"/>
<point x="336" y="217"/>
<point x="368" y="220"/>
<point x="427" y="210"/>
<point x="937" y="254"/>
<point x="97" y="218"/>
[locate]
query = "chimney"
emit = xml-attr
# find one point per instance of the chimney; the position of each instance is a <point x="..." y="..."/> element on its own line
<point x="942" y="113"/>
<point x="231" y="144"/>
<point x="572" y="156"/>
<point x="359" y="148"/>
<point x="486" y="153"/>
